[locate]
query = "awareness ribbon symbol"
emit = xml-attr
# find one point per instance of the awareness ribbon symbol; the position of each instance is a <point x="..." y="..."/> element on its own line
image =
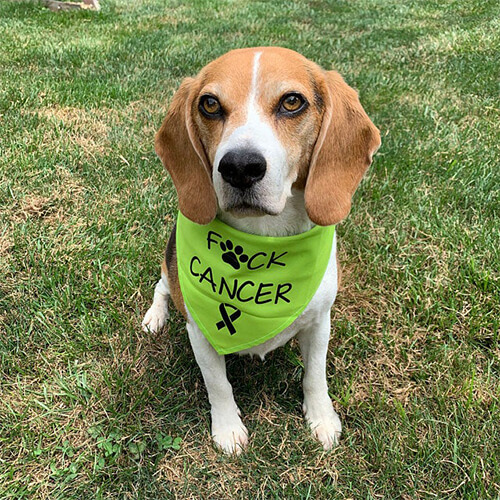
<point x="227" y="320"/>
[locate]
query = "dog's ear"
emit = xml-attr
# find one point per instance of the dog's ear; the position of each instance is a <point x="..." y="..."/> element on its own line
<point x="180" y="149"/>
<point x="342" y="153"/>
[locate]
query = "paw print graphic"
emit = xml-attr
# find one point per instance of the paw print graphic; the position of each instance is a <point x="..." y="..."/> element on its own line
<point x="233" y="256"/>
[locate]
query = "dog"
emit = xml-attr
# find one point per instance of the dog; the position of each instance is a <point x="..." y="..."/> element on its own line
<point x="266" y="143"/>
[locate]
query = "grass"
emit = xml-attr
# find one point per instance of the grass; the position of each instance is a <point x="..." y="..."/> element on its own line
<point x="90" y="407"/>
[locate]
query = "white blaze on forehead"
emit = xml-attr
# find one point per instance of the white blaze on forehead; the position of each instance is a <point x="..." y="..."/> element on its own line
<point x="253" y="116"/>
<point x="255" y="73"/>
<point x="257" y="134"/>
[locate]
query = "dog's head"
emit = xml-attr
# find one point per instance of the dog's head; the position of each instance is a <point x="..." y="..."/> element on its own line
<point x="256" y="122"/>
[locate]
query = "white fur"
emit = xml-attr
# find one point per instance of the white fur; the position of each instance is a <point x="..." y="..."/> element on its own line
<point x="256" y="133"/>
<point x="157" y="314"/>
<point x="312" y="327"/>
<point x="292" y="220"/>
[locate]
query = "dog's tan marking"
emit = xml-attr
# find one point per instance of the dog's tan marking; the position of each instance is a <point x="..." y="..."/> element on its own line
<point x="343" y="152"/>
<point x="231" y="82"/>
<point x="322" y="151"/>
<point x="179" y="147"/>
<point x="169" y="268"/>
<point x="329" y="146"/>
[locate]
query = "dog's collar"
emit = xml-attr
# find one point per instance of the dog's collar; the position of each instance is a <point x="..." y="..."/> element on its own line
<point x="243" y="289"/>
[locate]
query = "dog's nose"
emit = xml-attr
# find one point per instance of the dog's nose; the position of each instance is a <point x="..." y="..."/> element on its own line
<point x="242" y="168"/>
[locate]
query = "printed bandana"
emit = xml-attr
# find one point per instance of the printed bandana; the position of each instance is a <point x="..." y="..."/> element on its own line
<point x="243" y="289"/>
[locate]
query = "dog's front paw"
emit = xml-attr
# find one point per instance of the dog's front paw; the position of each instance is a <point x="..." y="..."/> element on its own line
<point x="324" y="422"/>
<point x="327" y="432"/>
<point x="155" y="318"/>
<point x="230" y="435"/>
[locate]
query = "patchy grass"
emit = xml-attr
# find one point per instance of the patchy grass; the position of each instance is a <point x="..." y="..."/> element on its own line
<point x="90" y="407"/>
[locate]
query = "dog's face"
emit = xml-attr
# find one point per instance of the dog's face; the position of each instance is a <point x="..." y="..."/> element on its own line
<point x="256" y="122"/>
<point x="258" y="118"/>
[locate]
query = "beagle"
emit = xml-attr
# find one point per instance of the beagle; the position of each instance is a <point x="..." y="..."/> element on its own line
<point x="267" y="143"/>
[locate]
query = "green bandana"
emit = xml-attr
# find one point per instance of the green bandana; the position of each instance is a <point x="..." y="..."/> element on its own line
<point x="243" y="289"/>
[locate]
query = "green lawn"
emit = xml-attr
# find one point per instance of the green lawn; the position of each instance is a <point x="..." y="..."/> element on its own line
<point x="91" y="407"/>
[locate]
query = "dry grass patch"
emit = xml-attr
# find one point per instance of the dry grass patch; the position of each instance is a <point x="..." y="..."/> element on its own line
<point x="86" y="129"/>
<point x="38" y="207"/>
<point x="66" y="195"/>
<point x="233" y="477"/>
<point x="6" y="245"/>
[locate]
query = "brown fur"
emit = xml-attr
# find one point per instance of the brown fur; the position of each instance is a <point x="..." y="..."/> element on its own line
<point x="169" y="269"/>
<point x="330" y="145"/>
<point x="182" y="154"/>
<point x="342" y="154"/>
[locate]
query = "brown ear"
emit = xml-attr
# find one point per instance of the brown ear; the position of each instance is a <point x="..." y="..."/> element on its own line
<point x="179" y="148"/>
<point x="342" y="153"/>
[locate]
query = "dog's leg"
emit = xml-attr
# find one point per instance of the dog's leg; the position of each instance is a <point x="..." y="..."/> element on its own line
<point x="318" y="409"/>
<point x="157" y="314"/>
<point x="228" y="430"/>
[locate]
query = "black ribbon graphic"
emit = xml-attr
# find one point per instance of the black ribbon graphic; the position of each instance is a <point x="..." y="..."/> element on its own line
<point x="227" y="320"/>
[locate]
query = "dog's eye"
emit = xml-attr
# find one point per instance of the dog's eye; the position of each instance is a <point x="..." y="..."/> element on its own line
<point x="210" y="106"/>
<point x="292" y="103"/>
